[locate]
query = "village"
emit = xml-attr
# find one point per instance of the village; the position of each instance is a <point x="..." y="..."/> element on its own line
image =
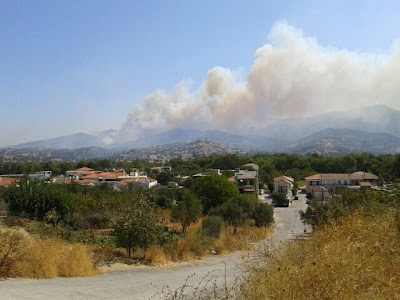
<point x="319" y="187"/>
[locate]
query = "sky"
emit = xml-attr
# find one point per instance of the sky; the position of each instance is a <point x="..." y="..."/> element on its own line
<point x="141" y="67"/>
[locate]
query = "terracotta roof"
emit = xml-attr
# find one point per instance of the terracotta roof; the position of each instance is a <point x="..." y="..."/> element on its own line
<point x="6" y="181"/>
<point x="64" y="181"/>
<point x="91" y="176"/>
<point x="366" y="184"/>
<point x="354" y="176"/>
<point x="252" y="165"/>
<point x="84" y="169"/>
<point x="137" y="179"/>
<point x="284" y="178"/>
<point x="330" y="176"/>
<point x="119" y="174"/>
<point x="363" y="176"/>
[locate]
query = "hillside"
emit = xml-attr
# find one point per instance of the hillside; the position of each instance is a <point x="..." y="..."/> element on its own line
<point x="187" y="150"/>
<point x="72" y="141"/>
<point x="333" y="142"/>
<point x="376" y="119"/>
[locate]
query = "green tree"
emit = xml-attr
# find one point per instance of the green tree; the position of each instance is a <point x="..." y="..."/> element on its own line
<point x="295" y="188"/>
<point x="139" y="227"/>
<point x="280" y="199"/>
<point x="263" y="214"/>
<point x="213" y="191"/>
<point x="233" y="212"/>
<point x="188" y="210"/>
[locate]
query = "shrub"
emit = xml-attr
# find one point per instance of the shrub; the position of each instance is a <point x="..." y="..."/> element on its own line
<point x="212" y="226"/>
<point x="280" y="199"/>
<point x="187" y="211"/>
<point x="36" y="200"/>
<point x="233" y="212"/>
<point x="139" y="227"/>
<point x="263" y="214"/>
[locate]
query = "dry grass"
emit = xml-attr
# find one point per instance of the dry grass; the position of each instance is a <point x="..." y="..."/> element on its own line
<point x="359" y="259"/>
<point x="195" y="245"/>
<point x="155" y="255"/>
<point x="22" y="255"/>
<point x="245" y="239"/>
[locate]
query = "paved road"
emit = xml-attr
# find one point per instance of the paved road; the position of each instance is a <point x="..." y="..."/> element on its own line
<point x="155" y="282"/>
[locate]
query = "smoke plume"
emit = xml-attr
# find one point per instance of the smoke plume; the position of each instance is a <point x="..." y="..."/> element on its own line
<point x="292" y="75"/>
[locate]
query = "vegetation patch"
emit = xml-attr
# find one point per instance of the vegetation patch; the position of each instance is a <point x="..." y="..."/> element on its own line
<point x="354" y="253"/>
<point x="23" y="255"/>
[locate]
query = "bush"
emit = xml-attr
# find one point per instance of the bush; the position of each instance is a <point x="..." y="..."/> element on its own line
<point x="139" y="227"/>
<point x="234" y="212"/>
<point x="346" y="202"/>
<point x="212" y="226"/>
<point x="263" y="214"/>
<point x="280" y="199"/>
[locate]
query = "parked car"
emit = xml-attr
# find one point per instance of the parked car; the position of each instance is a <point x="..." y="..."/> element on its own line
<point x="296" y="197"/>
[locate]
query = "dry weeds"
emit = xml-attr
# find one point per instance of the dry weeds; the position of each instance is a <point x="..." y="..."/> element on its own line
<point x="22" y="255"/>
<point x="359" y="259"/>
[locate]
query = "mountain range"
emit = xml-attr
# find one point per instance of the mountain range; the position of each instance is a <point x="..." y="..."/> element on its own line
<point x="374" y="129"/>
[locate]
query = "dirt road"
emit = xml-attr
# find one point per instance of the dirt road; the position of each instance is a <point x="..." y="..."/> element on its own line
<point x="155" y="282"/>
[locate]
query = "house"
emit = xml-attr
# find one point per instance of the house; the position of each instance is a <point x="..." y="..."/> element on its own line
<point x="79" y="172"/>
<point x="181" y="178"/>
<point x="161" y="169"/>
<point x="284" y="185"/>
<point x="143" y="182"/>
<point x="332" y="181"/>
<point x="247" y="181"/>
<point x="215" y="171"/>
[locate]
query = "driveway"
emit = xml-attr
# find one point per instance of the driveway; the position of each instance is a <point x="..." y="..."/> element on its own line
<point x="157" y="282"/>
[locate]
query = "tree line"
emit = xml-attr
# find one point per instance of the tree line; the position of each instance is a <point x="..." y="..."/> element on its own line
<point x="386" y="167"/>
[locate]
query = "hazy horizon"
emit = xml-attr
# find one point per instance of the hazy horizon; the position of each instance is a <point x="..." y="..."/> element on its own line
<point x="146" y="68"/>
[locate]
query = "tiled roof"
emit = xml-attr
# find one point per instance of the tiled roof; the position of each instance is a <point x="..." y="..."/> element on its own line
<point x="64" y="181"/>
<point x="137" y="179"/>
<point x="330" y="176"/>
<point x="284" y="178"/>
<point x="252" y="165"/>
<point x="363" y="176"/>
<point x="354" y="176"/>
<point x="84" y="169"/>
<point x="6" y="181"/>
